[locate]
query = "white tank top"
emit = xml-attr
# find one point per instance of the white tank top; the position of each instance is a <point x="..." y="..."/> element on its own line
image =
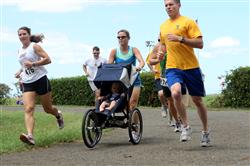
<point x="30" y="74"/>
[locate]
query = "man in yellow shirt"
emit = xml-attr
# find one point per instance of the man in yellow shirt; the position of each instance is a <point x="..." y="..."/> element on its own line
<point x="180" y="35"/>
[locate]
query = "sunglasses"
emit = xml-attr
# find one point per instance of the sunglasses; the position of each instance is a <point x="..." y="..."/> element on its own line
<point x="121" y="37"/>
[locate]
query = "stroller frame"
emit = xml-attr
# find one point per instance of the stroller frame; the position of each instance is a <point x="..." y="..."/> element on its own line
<point x="120" y="116"/>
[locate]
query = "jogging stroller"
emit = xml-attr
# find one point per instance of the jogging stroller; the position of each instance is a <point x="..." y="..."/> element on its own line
<point x="119" y="116"/>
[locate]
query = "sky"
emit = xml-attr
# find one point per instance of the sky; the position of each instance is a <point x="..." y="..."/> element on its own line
<point x="72" y="27"/>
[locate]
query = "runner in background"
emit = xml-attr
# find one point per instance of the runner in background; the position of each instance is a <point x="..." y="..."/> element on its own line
<point x="90" y="69"/>
<point x="160" y="65"/>
<point x="156" y="70"/>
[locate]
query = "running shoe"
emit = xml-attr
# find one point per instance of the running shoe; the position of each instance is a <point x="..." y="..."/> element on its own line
<point x="28" y="139"/>
<point x="177" y="127"/>
<point x="205" y="140"/>
<point x="171" y="123"/>
<point x="185" y="134"/>
<point x="60" y="122"/>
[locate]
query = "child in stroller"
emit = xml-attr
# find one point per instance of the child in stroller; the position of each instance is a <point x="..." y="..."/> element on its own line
<point x="110" y="100"/>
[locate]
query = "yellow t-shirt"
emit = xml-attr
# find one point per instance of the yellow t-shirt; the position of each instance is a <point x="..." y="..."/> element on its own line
<point x="156" y="67"/>
<point x="180" y="55"/>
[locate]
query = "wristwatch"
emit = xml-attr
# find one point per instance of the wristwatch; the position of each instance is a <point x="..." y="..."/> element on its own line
<point x="182" y="39"/>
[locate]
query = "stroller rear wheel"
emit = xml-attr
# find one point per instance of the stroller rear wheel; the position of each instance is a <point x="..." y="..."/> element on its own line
<point x="91" y="132"/>
<point x="135" y="126"/>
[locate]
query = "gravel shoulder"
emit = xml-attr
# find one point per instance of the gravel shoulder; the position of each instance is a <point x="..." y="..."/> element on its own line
<point x="160" y="146"/>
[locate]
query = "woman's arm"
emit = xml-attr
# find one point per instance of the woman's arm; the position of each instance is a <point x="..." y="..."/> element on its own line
<point x="139" y="58"/>
<point x="41" y="53"/>
<point x="18" y="73"/>
<point x="112" y="56"/>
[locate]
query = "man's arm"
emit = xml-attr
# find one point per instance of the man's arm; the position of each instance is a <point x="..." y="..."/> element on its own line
<point x="157" y="55"/>
<point x="84" y="67"/>
<point x="194" y="43"/>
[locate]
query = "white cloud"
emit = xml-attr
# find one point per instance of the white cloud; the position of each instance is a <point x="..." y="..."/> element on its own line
<point x="226" y="41"/>
<point x="223" y="46"/>
<point x="220" y="52"/>
<point x="63" y="50"/>
<point x="61" y="5"/>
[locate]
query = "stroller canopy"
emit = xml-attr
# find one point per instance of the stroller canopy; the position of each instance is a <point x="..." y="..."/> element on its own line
<point x="121" y="72"/>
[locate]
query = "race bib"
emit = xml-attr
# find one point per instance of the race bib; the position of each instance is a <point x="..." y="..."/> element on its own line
<point x="29" y="70"/>
<point x="164" y="82"/>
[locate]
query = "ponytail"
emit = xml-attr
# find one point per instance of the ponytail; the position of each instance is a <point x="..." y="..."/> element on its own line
<point x="37" y="38"/>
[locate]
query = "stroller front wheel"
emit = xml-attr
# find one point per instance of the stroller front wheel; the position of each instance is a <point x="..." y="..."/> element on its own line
<point x="135" y="126"/>
<point x="91" y="132"/>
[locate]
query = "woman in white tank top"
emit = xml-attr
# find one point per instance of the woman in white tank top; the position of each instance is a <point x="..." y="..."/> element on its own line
<point x="35" y="82"/>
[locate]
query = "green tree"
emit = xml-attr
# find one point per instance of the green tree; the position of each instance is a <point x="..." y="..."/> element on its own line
<point x="237" y="88"/>
<point x="4" y="92"/>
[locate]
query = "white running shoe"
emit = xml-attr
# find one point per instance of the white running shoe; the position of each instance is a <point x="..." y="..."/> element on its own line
<point x="171" y="123"/>
<point x="185" y="134"/>
<point x="177" y="127"/>
<point x="28" y="139"/>
<point x="205" y="140"/>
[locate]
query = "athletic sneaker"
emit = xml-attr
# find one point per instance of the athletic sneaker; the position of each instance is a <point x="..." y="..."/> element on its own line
<point x="164" y="111"/>
<point x="185" y="134"/>
<point x="28" y="139"/>
<point x="205" y="140"/>
<point x="60" y="122"/>
<point x="171" y="123"/>
<point x="177" y="127"/>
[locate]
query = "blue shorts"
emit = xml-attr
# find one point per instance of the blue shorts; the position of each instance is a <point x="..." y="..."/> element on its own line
<point x="137" y="81"/>
<point x="192" y="79"/>
<point x="166" y="90"/>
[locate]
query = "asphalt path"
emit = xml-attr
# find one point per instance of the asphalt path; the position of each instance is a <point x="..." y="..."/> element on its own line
<point x="160" y="145"/>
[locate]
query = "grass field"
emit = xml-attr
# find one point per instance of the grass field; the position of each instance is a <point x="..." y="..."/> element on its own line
<point x="46" y="131"/>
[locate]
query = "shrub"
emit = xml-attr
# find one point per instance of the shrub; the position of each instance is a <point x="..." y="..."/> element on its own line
<point x="72" y="91"/>
<point x="237" y="90"/>
<point x="4" y="93"/>
<point x="214" y="101"/>
<point x="149" y="96"/>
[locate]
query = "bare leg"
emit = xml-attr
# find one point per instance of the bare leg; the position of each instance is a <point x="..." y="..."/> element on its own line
<point x="46" y="101"/>
<point x="177" y="97"/>
<point x="172" y="109"/>
<point x="97" y="94"/>
<point x="29" y="99"/>
<point x="202" y="111"/>
<point x="162" y="98"/>
<point x="134" y="97"/>
<point x="134" y="101"/>
<point x="103" y="106"/>
<point x="112" y="104"/>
